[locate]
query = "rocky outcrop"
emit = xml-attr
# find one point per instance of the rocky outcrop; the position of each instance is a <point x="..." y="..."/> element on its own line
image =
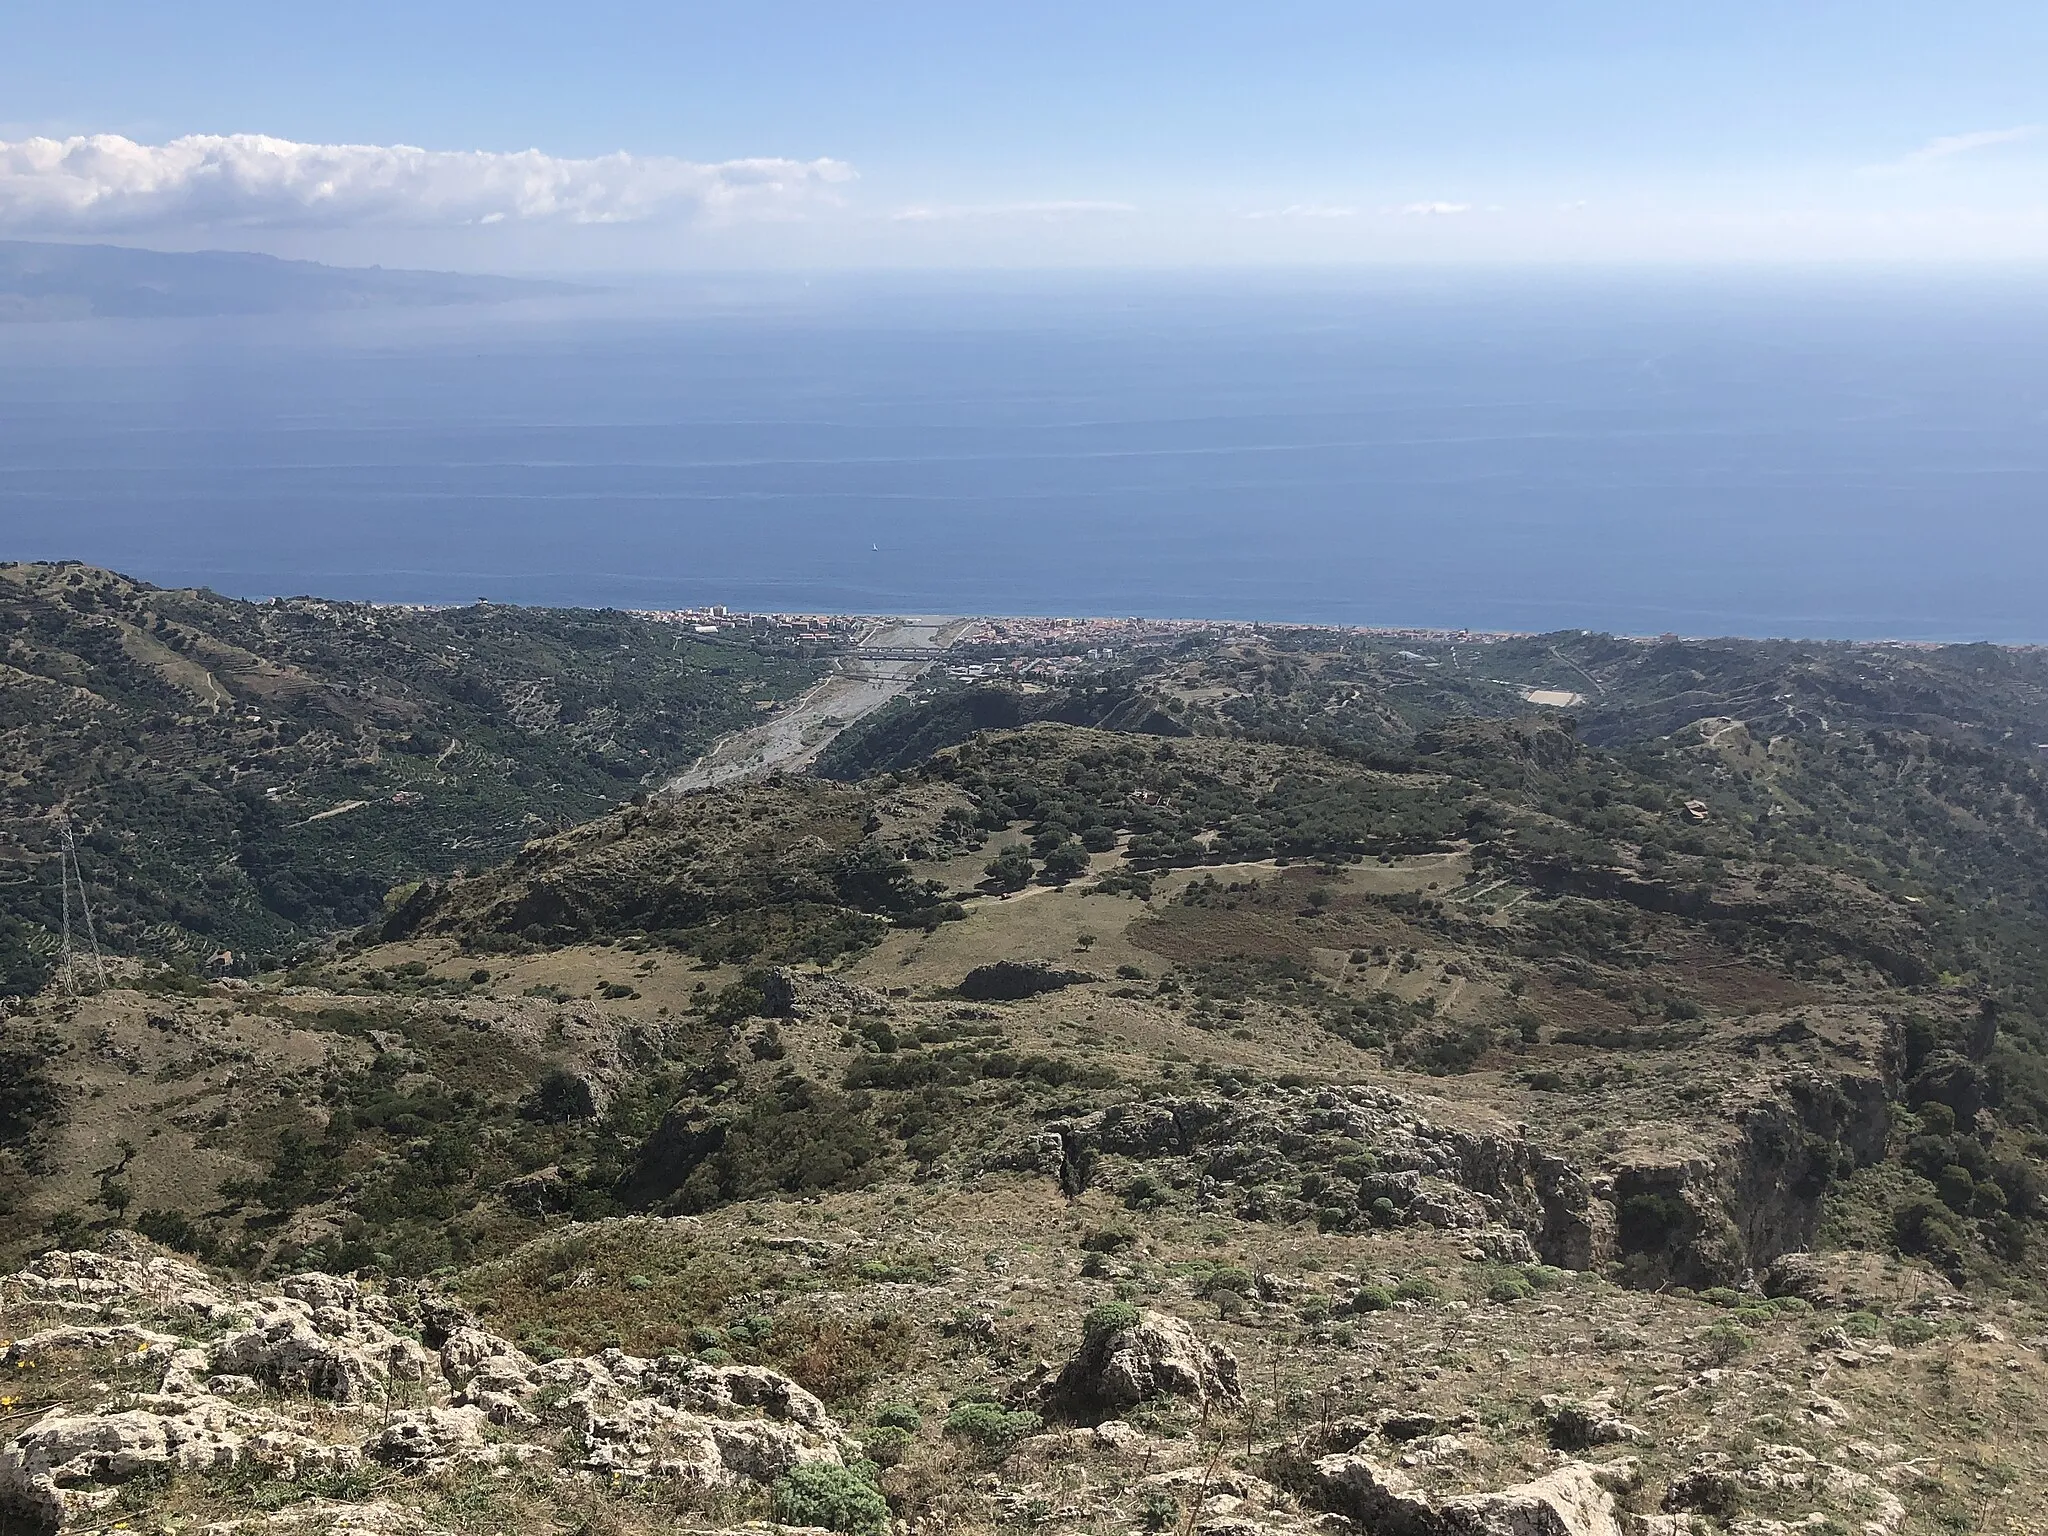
<point x="1292" y="1154"/>
<point x="1157" y="1356"/>
<point x="1355" y="1156"/>
<point x="430" y="1439"/>
<point x="1013" y="980"/>
<point x="65" y="1465"/>
<point x="1717" y="1486"/>
<point x="787" y="993"/>
<point x="472" y="1399"/>
<point x="1577" y="1499"/>
<point x="1579" y="1424"/>
<point x="326" y="1339"/>
<point x="122" y="1271"/>
<point x="711" y="1426"/>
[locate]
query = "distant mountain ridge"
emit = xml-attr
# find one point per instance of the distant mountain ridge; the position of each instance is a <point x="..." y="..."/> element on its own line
<point x="47" y="281"/>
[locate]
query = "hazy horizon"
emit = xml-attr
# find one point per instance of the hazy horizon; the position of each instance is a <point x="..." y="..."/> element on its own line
<point x="797" y="133"/>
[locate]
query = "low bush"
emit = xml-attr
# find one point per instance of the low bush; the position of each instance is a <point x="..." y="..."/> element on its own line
<point x="836" y="1498"/>
<point x="990" y="1426"/>
<point x="1908" y="1331"/>
<point x="1110" y="1317"/>
<point x="1725" y="1342"/>
<point x="887" y="1446"/>
<point x="1371" y="1298"/>
<point x="1510" y="1287"/>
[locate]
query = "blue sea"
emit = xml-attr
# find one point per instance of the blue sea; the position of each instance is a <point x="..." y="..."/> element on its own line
<point x="1839" y="453"/>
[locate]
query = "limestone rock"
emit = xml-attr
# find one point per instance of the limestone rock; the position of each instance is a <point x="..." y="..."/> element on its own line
<point x="430" y="1439"/>
<point x="327" y="1346"/>
<point x="489" y="1373"/>
<point x="1579" y="1424"/>
<point x="1157" y="1356"/>
<point x="1377" y="1497"/>
<point x="1577" y="1499"/>
<point x="710" y="1426"/>
<point x="1253" y="1151"/>
<point x="787" y="993"/>
<point x="65" y="1465"/>
<point x="125" y="1272"/>
<point x="129" y="1338"/>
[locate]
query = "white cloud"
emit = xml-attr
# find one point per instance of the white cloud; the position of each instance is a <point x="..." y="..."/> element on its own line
<point x="106" y="182"/>
<point x="1305" y="211"/>
<point x="1948" y="146"/>
<point x="1432" y="210"/>
<point x="929" y="212"/>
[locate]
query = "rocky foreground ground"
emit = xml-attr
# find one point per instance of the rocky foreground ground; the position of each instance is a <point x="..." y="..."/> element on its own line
<point x="144" y="1393"/>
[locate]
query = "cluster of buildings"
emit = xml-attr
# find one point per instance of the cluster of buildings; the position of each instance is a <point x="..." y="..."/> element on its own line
<point x="808" y="628"/>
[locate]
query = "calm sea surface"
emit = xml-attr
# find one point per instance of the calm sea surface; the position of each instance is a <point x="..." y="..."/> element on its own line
<point x="1793" y="454"/>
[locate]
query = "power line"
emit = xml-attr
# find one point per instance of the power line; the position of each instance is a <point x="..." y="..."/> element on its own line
<point x="69" y="874"/>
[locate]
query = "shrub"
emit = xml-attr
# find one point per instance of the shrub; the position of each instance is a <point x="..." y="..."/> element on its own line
<point x="1511" y="1287"/>
<point x="1725" y="1341"/>
<point x="1929" y="1228"/>
<point x="1144" y="1193"/>
<point x="1109" y="1239"/>
<point x="1418" y="1288"/>
<point x="1958" y="1188"/>
<point x="991" y="1426"/>
<point x="1721" y="1296"/>
<point x="1110" y="1317"/>
<point x="1229" y="1278"/>
<point x="887" y="1445"/>
<point x="173" y="1229"/>
<point x="1371" y="1298"/>
<point x="837" y="1498"/>
<point x="1161" y="1511"/>
<point x="899" y="1416"/>
<point x="1907" y="1331"/>
<point x="1863" y="1325"/>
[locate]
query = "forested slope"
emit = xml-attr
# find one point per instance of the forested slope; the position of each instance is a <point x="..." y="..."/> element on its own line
<point x="242" y="775"/>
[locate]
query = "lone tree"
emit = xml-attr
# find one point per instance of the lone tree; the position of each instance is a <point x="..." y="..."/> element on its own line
<point x="1011" y="869"/>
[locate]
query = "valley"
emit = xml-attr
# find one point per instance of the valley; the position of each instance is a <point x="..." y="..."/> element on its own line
<point x="1247" y="1082"/>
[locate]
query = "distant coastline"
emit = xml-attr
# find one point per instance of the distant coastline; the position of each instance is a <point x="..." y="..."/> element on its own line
<point x="43" y="281"/>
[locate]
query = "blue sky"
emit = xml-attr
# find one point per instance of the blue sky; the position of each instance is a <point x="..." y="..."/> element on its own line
<point x="914" y="133"/>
